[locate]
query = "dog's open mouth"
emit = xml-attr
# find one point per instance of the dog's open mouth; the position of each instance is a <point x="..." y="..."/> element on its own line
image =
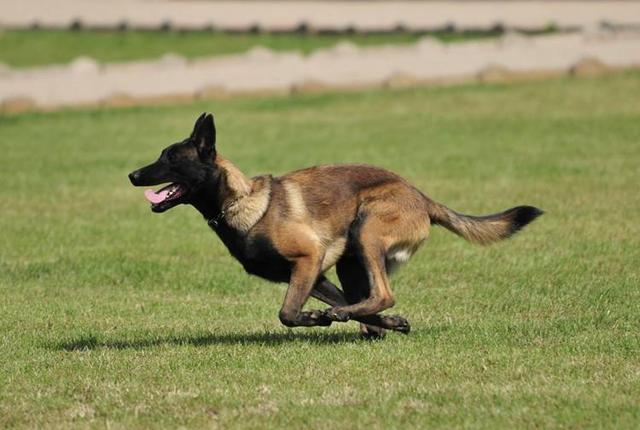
<point x="166" y="197"/>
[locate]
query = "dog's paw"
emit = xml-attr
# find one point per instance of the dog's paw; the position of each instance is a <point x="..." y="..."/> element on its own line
<point x="320" y="318"/>
<point x="399" y="323"/>
<point x="337" y="314"/>
<point x="370" y="332"/>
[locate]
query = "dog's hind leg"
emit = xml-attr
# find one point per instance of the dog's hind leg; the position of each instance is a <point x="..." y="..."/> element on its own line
<point x="304" y="277"/>
<point x="355" y="282"/>
<point x="325" y="291"/>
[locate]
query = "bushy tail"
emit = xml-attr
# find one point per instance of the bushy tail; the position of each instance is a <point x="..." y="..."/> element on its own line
<point x="483" y="230"/>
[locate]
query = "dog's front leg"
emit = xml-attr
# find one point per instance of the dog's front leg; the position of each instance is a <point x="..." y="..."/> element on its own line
<point x="303" y="277"/>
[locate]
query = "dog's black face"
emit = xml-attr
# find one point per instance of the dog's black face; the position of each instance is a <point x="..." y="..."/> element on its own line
<point x="187" y="166"/>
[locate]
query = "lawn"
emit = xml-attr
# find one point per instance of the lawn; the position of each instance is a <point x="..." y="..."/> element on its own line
<point x="26" y="48"/>
<point x="114" y="317"/>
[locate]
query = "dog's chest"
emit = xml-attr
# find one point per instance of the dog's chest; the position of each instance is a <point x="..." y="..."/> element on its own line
<point x="259" y="257"/>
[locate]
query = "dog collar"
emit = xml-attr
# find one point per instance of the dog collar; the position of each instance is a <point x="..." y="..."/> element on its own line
<point x="215" y="222"/>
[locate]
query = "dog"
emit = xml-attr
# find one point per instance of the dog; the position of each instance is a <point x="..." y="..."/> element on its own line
<point x="363" y="220"/>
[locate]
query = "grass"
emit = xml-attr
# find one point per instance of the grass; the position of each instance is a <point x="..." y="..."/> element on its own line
<point x="27" y="48"/>
<point x="114" y="317"/>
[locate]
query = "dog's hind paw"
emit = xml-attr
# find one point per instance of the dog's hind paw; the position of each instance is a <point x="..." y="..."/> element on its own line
<point x="370" y="332"/>
<point x="399" y="323"/>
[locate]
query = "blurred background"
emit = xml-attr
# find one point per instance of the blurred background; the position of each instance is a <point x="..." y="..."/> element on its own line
<point x="128" y="51"/>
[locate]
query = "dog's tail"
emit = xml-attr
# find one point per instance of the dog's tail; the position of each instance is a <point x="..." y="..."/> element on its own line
<point x="483" y="230"/>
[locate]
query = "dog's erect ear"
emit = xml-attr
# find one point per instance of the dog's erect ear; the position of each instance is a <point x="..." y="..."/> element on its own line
<point x="204" y="136"/>
<point x="197" y="124"/>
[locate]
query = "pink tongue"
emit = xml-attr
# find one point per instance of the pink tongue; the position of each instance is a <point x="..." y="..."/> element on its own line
<point x="154" y="197"/>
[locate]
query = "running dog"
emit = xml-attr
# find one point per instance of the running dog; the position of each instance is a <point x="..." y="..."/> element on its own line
<point x="362" y="219"/>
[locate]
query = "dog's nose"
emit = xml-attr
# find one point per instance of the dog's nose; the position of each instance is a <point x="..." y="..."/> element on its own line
<point x="134" y="177"/>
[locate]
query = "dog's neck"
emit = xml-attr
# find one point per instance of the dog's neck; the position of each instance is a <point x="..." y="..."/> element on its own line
<point x="235" y="200"/>
<point x="234" y="184"/>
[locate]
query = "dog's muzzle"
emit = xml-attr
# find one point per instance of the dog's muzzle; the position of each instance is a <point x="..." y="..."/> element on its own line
<point x="134" y="177"/>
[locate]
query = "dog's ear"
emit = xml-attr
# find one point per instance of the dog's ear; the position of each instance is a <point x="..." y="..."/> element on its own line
<point x="197" y="124"/>
<point x="204" y="136"/>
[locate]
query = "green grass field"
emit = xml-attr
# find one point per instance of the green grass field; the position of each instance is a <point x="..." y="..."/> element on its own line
<point x="114" y="317"/>
<point x="26" y="48"/>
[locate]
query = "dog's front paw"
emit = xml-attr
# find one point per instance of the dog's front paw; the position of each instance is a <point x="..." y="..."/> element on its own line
<point x="337" y="314"/>
<point x="320" y="318"/>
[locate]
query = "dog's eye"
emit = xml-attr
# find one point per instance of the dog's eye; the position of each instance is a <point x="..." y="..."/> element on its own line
<point x="168" y="154"/>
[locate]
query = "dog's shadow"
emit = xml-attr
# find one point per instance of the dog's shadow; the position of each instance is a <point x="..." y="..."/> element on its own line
<point x="92" y="341"/>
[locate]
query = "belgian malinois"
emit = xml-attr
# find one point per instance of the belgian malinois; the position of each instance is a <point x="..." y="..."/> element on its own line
<point x="363" y="219"/>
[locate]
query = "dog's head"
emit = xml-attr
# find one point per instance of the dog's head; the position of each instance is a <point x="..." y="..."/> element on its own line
<point x="187" y="166"/>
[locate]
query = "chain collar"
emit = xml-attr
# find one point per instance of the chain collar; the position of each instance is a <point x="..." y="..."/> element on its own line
<point x="215" y="221"/>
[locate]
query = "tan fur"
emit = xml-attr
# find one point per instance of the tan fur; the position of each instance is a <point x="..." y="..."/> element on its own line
<point x="295" y="201"/>
<point x="333" y="253"/>
<point x="478" y="230"/>
<point x="247" y="200"/>
<point x="237" y="183"/>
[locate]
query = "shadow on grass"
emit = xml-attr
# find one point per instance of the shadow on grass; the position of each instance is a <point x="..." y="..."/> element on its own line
<point x="90" y="342"/>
